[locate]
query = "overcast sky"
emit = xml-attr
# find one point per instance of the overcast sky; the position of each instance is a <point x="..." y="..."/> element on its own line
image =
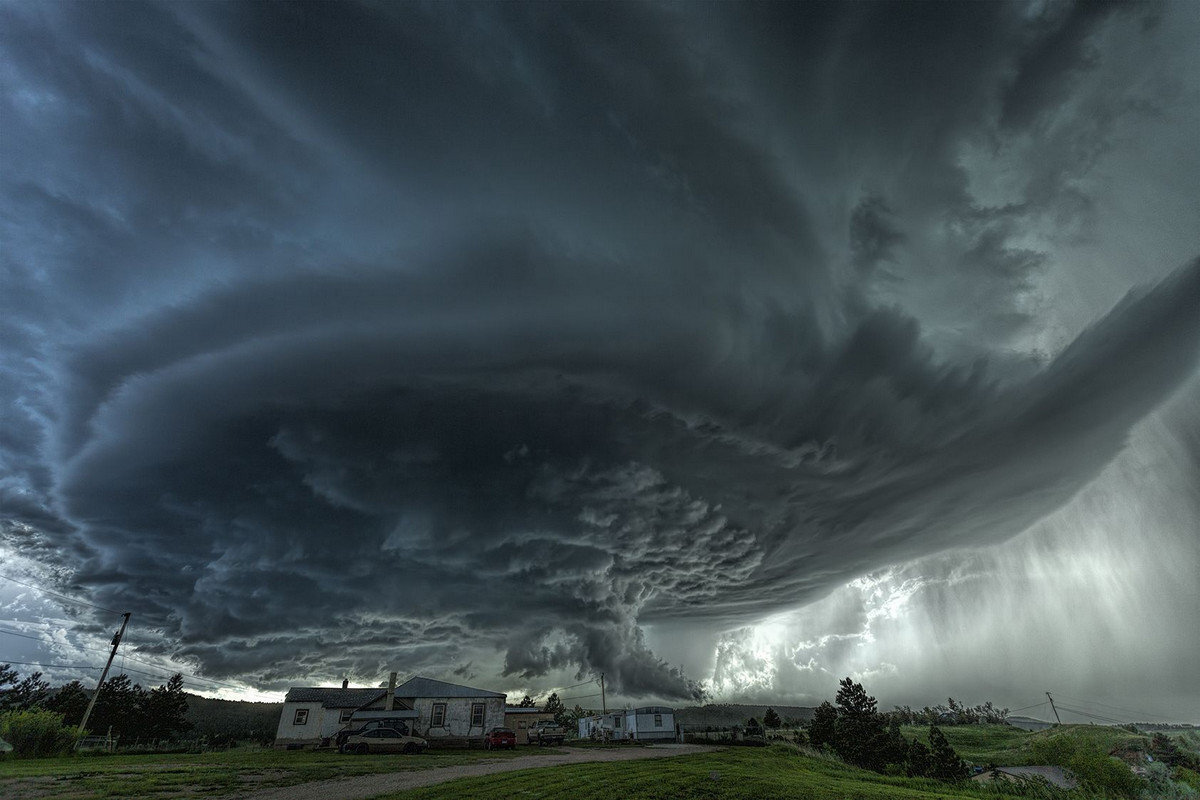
<point x="723" y="348"/>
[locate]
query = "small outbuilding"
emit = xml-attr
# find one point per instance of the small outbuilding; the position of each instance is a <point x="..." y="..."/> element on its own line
<point x="520" y="719"/>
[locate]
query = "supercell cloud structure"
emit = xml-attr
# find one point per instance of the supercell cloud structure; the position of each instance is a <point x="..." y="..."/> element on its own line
<point x="475" y="339"/>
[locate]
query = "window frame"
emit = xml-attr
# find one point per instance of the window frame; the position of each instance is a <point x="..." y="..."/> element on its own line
<point x="658" y="720"/>
<point x="437" y="715"/>
<point x="300" y="717"/>
<point x="478" y="710"/>
<point x="345" y="715"/>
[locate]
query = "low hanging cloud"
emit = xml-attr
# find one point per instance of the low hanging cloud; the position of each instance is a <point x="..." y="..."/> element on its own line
<point x="479" y="353"/>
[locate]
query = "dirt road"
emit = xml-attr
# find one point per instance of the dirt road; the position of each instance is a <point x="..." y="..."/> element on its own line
<point x="366" y="786"/>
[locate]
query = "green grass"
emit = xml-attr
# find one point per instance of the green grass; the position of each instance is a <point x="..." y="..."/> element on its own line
<point x="198" y="775"/>
<point x="1007" y="746"/>
<point x="1002" y="745"/>
<point x="769" y="773"/>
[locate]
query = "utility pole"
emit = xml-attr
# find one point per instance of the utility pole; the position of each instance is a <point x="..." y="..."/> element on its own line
<point x="1052" y="708"/>
<point x="96" y="694"/>
<point x="603" y="704"/>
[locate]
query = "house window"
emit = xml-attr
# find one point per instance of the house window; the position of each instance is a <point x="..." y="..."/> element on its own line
<point x="301" y="717"/>
<point x="344" y="717"/>
<point x="438" y="717"/>
<point x="616" y="722"/>
<point x="477" y="712"/>
<point x="658" y="720"/>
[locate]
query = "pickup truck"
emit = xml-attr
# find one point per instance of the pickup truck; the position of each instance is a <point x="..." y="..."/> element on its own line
<point x="547" y="732"/>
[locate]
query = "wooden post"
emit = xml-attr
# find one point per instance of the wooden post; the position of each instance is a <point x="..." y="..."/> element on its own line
<point x="1052" y="708"/>
<point x="95" y="695"/>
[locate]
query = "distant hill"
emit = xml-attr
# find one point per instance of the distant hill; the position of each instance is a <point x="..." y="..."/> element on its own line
<point x="232" y="720"/>
<point x="724" y="715"/>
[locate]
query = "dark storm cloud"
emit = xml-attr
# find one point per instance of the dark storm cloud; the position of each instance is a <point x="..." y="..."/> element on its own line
<point x="482" y="334"/>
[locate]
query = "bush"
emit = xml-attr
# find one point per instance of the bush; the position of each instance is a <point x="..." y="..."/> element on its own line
<point x="1162" y="787"/>
<point x="36" y="734"/>
<point x="1097" y="771"/>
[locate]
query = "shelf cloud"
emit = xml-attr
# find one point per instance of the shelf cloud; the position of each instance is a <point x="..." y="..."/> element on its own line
<point x="476" y="339"/>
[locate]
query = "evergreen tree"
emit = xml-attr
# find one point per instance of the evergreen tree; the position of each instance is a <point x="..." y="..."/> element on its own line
<point x="916" y="764"/>
<point x="24" y="695"/>
<point x="121" y="705"/>
<point x="944" y="762"/>
<point x="823" y="726"/>
<point x="165" y="709"/>
<point x="771" y="719"/>
<point x="555" y="706"/>
<point x="859" y="736"/>
<point x="71" y="701"/>
<point x="893" y="747"/>
<point x="526" y="702"/>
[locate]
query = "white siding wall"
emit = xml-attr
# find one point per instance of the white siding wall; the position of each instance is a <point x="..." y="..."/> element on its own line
<point x="310" y="731"/>
<point x="457" y="723"/>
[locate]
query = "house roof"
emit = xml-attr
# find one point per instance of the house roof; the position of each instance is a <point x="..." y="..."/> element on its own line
<point x="428" y="687"/>
<point x="353" y="698"/>
<point x="333" y="698"/>
<point x="523" y="710"/>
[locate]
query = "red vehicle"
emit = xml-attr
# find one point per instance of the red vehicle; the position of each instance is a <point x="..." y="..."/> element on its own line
<point x="499" y="738"/>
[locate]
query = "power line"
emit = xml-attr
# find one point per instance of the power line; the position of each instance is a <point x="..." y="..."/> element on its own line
<point x="58" y="595"/>
<point x="1124" y="710"/>
<point x="1026" y="708"/>
<point x="58" y="666"/>
<point x="23" y="635"/>
<point x="130" y="658"/>
<point x="1090" y="715"/>
<point x="580" y="696"/>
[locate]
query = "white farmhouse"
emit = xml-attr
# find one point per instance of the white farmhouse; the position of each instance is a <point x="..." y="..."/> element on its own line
<point x="648" y="723"/>
<point x="439" y="711"/>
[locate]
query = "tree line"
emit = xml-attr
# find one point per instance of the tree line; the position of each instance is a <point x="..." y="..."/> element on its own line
<point x="122" y="706"/>
<point x="953" y="713"/>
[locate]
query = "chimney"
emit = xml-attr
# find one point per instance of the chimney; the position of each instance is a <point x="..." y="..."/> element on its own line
<point x="391" y="695"/>
<point x="345" y="683"/>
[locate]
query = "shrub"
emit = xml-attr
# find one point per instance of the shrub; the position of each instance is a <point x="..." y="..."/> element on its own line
<point x="1097" y="771"/>
<point x="1162" y="787"/>
<point x="35" y="734"/>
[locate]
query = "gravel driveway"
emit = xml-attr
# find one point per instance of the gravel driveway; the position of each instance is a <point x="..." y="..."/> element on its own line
<point x="366" y="786"/>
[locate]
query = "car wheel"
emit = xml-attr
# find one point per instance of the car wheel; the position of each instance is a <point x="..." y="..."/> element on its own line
<point x="409" y="749"/>
<point x="362" y="749"/>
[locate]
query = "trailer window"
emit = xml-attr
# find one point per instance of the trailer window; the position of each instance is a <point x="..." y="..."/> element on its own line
<point x="658" y="720"/>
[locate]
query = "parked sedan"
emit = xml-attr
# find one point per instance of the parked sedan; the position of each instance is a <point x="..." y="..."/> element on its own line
<point x="500" y="738"/>
<point x="383" y="740"/>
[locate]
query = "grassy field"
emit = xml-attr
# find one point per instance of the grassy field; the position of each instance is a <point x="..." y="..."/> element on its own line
<point x="91" y="777"/>
<point x="1006" y="746"/>
<point x="766" y="773"/>
<point x="981" y="744"/>
<point x="778" y="771"/>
